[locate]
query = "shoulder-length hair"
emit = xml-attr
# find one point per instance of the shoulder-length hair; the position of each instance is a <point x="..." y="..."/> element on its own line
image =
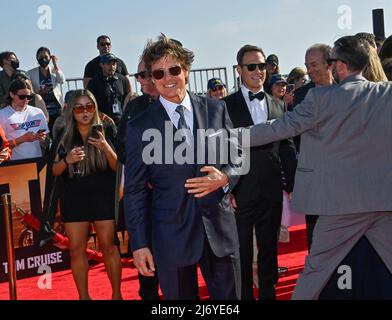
<point x="95" y="160"/>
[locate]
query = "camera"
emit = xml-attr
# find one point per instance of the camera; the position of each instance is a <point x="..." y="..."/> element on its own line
<point x="94" y="129"/>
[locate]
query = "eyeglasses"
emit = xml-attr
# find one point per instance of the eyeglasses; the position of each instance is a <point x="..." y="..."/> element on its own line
<point x="330" y="60"/>
<point x="80" y="108"/>
<point x="141" y="74"/>
<point x="160" y="73"/>
<point x="220" y="88"/>
<point x="24" y="96"/>
<point x="252" y="66"/>
<point x="104" y="44"/>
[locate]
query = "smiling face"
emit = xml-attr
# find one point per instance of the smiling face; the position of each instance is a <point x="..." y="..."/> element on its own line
<point x="278" y="90"/>
<point x="84" y="118"/>
<point x="253" y="80"/>
<point x="171" y="87"/>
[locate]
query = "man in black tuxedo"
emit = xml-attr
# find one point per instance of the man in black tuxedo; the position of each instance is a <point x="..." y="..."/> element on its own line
<point x="258" y="196"/>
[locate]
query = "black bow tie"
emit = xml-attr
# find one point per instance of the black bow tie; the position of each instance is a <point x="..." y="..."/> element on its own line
<point x="259" y="95"/>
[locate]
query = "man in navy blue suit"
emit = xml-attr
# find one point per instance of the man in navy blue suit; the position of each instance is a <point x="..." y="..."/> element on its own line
<point x="192" y="220"/>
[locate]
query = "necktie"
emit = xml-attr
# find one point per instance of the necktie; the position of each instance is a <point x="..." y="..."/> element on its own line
<point x="259" y="96"/>
<point x="181" y="122"/>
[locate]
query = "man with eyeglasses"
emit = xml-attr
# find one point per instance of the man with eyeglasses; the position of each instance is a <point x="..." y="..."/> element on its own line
<point x="191" y="219"/>
<point x="93" y="68"/>
<point x="344" y="171"/>
<point x="109" y="88"/>
<point x="258" y="197"/>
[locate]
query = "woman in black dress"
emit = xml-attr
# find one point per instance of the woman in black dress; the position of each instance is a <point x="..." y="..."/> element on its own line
<point x="86" y="162"/>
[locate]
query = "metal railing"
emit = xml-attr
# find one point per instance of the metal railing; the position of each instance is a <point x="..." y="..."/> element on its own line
<point x="197" y="83"/>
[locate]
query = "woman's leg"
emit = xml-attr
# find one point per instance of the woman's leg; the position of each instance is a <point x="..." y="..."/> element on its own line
<point x="77" y="233"/>
<point x="105" y="232"/>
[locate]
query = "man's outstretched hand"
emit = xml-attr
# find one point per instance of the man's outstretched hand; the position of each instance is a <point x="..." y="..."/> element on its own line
<point x="202" y="186"/>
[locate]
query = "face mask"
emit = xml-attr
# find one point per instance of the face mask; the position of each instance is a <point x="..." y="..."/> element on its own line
<point x="15" y="64"/>
<point x="43" y="62"/>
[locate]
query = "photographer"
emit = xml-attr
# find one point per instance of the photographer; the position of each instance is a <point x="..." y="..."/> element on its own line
<point x="47" y="82"/>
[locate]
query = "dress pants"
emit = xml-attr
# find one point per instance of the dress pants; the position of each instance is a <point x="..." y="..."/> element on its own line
<point x="333" y="239"/>
<point x="265" y="217"/>
<point x="222" y="277"/>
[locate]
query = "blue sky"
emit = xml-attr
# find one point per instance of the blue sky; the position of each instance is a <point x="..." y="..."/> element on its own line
<point x="214" y="30"/>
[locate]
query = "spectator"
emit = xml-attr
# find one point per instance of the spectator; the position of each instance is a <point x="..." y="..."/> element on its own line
<point x="278" y="86"/>
<point x="298" y="77"/>
<point x="109" y="88"/>
<point x="387" y="66"/>
<point x="59" y="124"/>
<point x="373" y="70"/>
<point x="93" y="68"/>
<point x="5" y="148"/>
<point x="25" y="126"/>
<point x="319" y="67"/>
<point x="148" y="289"/>
<point x="216" y="89"/>
<point x="37" y="100"/>
<point x="272" y="62"/>
<point x="84" y="161"/>
<point x="386" y="49"/>
<point x="10" y="63"/>
<point x="47" y="82"/>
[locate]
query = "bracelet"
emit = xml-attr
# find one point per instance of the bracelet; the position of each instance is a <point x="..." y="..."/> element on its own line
<point x="65" y="160"/>
<point x="14" y="142"/>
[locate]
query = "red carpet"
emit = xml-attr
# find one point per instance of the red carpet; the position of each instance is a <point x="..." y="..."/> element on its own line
<point x="291" y="255"/>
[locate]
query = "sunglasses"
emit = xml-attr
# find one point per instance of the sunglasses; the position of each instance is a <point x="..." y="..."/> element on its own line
<point x="141" y="74"/>
<point x="24" y="96"/>
<point x="80" y="108"/>
<point x="220" y="88"/>
<point x="330" y="60"/>
<point x="160" y="73"/>
<point x="104" y="44"/>
<point x="252" y="66"/>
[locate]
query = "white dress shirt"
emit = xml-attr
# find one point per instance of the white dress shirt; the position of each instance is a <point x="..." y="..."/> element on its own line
<point x="258" y="109"/>
<point x="174" y="116"/>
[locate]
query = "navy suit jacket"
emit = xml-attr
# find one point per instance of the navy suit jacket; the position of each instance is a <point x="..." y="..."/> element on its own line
<point x="180" y="222"/>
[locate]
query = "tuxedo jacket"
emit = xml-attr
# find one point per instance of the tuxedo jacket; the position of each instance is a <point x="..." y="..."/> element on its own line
<point x="180" y="223"/>
<point x="264" y="179"/>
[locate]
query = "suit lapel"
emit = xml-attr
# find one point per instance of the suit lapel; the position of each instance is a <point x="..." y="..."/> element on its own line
<point x="159" y="115"/>
<point x="200" y="121"/>
<point x="243" y="115"/>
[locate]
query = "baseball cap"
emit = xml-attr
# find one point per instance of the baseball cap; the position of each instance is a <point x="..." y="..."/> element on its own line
<point x="273" y="58"/>
<point x="277" y="78"/>
<point x="107" y="57"/>
<point x="214" y="82"/>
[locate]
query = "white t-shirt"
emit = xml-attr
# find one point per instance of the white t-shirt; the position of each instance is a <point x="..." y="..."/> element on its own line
<point x="17" y="123"/>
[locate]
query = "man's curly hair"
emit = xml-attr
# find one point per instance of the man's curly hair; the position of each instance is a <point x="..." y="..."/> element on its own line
<point x="165" y="46"/>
